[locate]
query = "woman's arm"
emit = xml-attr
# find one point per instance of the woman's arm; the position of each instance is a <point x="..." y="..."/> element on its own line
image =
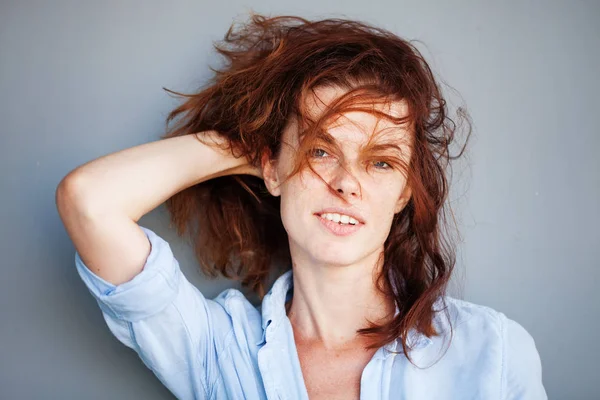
<point x="101" y="201"/>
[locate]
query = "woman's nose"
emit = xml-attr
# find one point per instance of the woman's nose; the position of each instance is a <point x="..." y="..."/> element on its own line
<point x="345" y="182"/>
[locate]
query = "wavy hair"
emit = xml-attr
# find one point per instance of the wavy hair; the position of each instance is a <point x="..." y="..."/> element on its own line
<point x="272" y="64"/>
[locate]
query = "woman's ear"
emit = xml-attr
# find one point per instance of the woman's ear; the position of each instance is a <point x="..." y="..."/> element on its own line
<point x="403" y="200"/>
<point x="270" y="173"/>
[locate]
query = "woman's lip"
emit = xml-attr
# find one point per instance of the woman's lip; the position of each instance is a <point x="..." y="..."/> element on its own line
<point x="337" y="229"/>
<point x="337" y="210"/>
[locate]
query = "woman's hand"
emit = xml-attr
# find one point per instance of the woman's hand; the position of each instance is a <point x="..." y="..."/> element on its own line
<point x="218" y="142"/>
<point x="246" y="169"/>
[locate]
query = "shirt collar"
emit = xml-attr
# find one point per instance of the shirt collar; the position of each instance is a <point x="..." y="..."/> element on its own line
<point x="273" y="304"/>
<point x="273" y="313"/>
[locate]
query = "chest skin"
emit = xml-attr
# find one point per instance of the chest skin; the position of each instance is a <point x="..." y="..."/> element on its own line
<point x="332" y="374"/>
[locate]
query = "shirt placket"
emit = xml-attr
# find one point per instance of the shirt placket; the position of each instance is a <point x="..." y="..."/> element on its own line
<point x="375" y="378"/>
<point x="280" y="367"/>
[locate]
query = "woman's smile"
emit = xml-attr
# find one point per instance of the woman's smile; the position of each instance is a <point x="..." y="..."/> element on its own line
<point x="340" y="228"/>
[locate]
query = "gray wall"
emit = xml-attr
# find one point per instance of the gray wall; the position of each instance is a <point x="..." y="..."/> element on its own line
<point x="81" y="79"/>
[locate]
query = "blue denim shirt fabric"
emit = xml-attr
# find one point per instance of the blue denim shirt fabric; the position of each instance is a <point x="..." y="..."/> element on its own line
<point x="225" y="348"/>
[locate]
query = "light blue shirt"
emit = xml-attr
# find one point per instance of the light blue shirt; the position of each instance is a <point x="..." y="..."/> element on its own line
<point x="226" y="348"/>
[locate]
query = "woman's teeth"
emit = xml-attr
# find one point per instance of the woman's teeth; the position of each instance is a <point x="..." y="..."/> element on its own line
<point x="340" y="218"/>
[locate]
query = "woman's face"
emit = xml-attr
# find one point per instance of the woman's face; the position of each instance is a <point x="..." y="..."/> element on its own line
<point x="374" y="192"/>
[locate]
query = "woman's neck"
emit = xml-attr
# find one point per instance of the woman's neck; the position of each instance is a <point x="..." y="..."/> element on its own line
<point x="330" y="303"/>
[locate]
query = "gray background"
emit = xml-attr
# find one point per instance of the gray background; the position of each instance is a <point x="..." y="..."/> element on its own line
<point x="81" y="79"/>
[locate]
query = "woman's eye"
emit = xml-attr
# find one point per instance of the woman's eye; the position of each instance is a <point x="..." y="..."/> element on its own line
<point x="318" y="153"/>
<point x="382" y="165"/>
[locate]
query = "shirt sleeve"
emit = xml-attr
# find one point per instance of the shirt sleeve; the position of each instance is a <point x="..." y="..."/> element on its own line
<point x="521" y="366"/>
<point x="165" y="319"/>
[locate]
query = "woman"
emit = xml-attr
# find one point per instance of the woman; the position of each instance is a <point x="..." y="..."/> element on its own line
<point x="320" y="147"/>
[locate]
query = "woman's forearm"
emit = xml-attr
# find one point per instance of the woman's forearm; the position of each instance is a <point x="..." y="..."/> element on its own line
<point x="136" y="180"/>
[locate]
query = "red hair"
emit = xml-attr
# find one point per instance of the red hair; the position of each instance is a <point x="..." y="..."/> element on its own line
<point x="272" y="64"/>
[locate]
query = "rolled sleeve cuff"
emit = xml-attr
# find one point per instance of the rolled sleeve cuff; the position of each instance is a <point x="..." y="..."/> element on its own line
<point x="146" y="294"/>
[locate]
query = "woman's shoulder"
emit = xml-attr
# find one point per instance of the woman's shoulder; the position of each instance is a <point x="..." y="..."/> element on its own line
<point x="237" y="305"/>
<point x="463" y="311"/>
<point x="473" y="319"/>
<point x="483" y="330"/>
<point x="244" y="318"/>
<point x="478" y="316"/>
<point x="492" y="342"/>
<point x="479" y="352"/>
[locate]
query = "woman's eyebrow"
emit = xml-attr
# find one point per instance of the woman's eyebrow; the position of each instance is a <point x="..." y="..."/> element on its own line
<point x="327" y="138"/>
<point x="369" y="147"/>
<point x="382" y="147"/>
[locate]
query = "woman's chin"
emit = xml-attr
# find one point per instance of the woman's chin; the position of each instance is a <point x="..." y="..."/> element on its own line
<point x="336" y="258"/>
